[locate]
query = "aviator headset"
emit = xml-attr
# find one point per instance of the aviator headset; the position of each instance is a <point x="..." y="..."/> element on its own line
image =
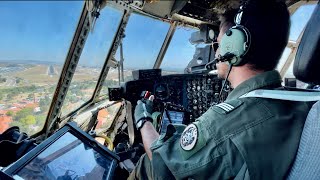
<point x="235" y="43"/>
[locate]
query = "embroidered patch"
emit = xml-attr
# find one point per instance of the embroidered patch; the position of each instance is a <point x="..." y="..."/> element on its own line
<point x="189" y="137"/>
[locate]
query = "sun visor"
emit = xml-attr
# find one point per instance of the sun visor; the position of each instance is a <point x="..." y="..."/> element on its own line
<point x="205" y="35"/>
<point x="158" y="8"/>
<point x="201" y="57"/>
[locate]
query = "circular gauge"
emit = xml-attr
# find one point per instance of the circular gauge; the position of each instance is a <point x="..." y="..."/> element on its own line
<point x="189" y="95"/>
<point x="161" y="91"/>
<point x="194" y="82"/>
<point x="211" y="34"/>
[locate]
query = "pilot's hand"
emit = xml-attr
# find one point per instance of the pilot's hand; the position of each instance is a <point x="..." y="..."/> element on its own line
<point x="143" y="112"/>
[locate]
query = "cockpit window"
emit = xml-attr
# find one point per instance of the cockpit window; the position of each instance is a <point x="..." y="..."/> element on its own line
<point x="35" y="37"/>
<point x="286" y="53"/>
<point x="180" y="51"/>
<point x="92" y="59"/>
<point x="143" y="39"/>
<point x="299" y="20"/>
<point x="142" y="43"/>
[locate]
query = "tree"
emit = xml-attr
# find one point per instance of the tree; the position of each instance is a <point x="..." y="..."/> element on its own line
<point x="30" y="96"/>
<point x="18" y="80"/>
<point x="2" y="80"/>
<point x="44" y="104"/>
<point x="30" y="120"/>
<point x="73" y="99"/>
<point x="40" y="120"/>
<point x="10" y="113"/>
<point x="11" y="95"/>
<point x="23" y="113"/>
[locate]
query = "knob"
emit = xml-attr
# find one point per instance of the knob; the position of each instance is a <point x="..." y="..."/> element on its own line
<point x="194" y="83"/>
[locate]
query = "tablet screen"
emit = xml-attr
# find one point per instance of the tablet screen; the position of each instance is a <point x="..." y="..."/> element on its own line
<point x="175" y="117"/>
<point x="67" y="158"/>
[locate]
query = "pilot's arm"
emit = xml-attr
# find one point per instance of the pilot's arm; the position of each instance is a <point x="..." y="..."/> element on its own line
<point x="143" y="121"/>
<point x="187" y="152"/>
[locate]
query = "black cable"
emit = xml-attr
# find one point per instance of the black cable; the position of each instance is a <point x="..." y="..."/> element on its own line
<point x="224" y="83"/>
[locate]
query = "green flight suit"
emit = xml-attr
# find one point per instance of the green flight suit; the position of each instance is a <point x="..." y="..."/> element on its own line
<point x="242" y="138"/>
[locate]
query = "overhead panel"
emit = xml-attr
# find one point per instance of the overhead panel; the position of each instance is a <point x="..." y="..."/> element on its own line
<point x="159" y="8"/>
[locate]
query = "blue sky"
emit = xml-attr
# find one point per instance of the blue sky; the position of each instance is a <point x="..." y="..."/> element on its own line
<point x="43" y="30"/>
<point x="37" y="30"/>
<point x="299" y="19"/>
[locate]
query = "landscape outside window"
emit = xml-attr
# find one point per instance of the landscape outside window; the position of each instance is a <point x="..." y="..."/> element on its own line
<point x="180" y="52"/>
<point x="144" y="37"/>
<point x="92" y="59"/>
<point x="35" y="38"/>
<point x="141" y="45"/>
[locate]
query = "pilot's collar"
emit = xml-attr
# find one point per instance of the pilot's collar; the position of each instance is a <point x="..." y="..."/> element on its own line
<point x="266" y="80"/>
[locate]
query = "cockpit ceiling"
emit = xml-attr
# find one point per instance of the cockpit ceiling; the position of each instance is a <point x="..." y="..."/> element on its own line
<point x="207" y="10"/>
<point x="193" y="12"/>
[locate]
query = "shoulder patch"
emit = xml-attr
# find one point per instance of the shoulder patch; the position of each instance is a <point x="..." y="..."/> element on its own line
<point x="227" y="107"/>
<point x="192" y="140"/>
<point x="189" y="137"/>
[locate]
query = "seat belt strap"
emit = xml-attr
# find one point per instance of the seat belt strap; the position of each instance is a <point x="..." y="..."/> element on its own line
<point x="284" y="95"/>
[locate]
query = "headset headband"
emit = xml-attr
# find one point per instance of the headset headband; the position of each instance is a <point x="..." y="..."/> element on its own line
<point x="235" y="43"/>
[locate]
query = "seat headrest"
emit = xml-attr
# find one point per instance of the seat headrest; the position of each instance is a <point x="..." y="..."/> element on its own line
<point x="307" y="61"/>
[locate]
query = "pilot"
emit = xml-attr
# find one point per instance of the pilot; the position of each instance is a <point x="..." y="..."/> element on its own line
<point x="241" y="138"/>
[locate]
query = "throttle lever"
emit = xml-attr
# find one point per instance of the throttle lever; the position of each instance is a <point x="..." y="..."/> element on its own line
<point x="145" y="95"/>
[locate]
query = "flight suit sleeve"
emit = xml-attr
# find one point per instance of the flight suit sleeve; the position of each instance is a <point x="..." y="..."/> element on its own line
<point x="205" y="159"/>
<point x="143" y="169"/>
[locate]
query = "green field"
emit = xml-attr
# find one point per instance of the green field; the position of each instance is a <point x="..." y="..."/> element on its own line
<point x="38" y="75"/>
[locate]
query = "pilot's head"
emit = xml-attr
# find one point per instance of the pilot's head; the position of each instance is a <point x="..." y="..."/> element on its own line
<point x="268" y="23"/>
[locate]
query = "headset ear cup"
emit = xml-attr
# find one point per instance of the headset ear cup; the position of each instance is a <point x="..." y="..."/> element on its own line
<point x="236" y="41"/>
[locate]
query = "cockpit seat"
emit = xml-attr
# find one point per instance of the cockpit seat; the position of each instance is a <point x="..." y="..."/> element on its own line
<point x="307" y="162"/>
<point x="306" y="69"/>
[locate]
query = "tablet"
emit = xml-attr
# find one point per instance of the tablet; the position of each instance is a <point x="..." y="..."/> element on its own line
<point x="70" y="153"/>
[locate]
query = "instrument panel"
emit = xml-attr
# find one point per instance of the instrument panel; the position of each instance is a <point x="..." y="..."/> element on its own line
<point x="194" y="92"/>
